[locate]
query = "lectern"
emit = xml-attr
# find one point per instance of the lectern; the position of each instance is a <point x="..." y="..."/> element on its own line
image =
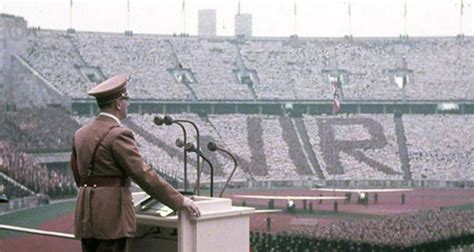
<point x="221" y="227"/>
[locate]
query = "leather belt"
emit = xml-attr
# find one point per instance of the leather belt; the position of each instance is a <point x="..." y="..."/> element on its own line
<point x="100" y="181"/>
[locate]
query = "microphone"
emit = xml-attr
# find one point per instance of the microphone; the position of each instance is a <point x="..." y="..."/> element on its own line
<point x="213" y="147"/>
<point x="168" y="120"/>
<point x="158" y="120"/>
<point x="189" y="147"/>
<point x="179" y="143"/>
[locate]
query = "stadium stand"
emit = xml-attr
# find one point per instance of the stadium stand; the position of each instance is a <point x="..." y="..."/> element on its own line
<point x="159" y="149"/>
<point x="359" y="146"/>
<point x="53" y="56"/>
<point x="145" y="58"/>
<point x="21" y="168"/>
<point x="35" y="130"/>
<point x="445" y="151"/>
<point x="215" y="80"/>
<point x="286" y="71"/>
<point x="30" y="131"/>
<point x="26" y="176"/>
<point x="363" y="146"/>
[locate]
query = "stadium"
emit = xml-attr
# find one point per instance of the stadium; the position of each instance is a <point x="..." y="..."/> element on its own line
<point x="354" y="117"/>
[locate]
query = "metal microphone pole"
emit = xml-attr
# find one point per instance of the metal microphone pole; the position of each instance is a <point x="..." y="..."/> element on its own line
<point x="190" y="147"/>
<point x="198" y="166"/>
<point x="159" y="121"/>
<point x="213" y="147"/>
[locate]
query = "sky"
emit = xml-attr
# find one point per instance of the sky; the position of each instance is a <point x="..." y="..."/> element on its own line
<point x="314" y="18"/>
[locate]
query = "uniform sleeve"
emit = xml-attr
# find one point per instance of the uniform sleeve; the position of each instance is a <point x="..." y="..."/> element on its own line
<point x="74" y="168"/>
<point x="126" y="153"/>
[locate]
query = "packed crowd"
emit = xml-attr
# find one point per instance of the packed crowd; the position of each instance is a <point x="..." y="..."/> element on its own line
<point x="267" y="147"/>
<point x="213" y="62"/>
<point x="54" y="57"/>
<point x="421" y="230"/>
<point x="47" y="129"/>
<point x="440" y="147"/>
<point x="357" y="146"/>
<point x="37" y="130"/>
<point x="286" y="71"/>
<point x="157" y="144"/>
<point x="440" y="67"/>
<point x="146" y="59"/>
<point x="25" y="171"/>
<point x="362" y="147"/>
<point x="269" y="143"/>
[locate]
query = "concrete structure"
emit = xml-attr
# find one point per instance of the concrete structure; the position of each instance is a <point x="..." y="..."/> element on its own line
<point x="243" y="25"/>
<point x="207" y="22"/>
<point x="13" y="39"/>
<point x="20" y="84"/>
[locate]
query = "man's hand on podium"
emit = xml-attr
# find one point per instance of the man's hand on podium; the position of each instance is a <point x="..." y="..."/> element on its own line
<point x="191" y="208"/>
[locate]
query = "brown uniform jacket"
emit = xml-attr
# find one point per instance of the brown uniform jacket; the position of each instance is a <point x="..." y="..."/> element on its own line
<point x="107" y="212"/>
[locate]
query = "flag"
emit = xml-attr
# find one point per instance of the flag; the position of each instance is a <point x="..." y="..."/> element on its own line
<point x="336" y="105"/>
<point x="183" y="6"/>
<point x="128" y="6"/>
<point x="238" y="9"/>
<point x="462" y="8"/>
<point x="349" y="9"/>
<point x="70" y="3"/>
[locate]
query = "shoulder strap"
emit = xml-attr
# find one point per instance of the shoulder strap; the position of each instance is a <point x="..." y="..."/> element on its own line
<point x="90" y="169"/>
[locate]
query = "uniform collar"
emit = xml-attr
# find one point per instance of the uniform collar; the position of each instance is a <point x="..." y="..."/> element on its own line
<point x="110" y="116"/>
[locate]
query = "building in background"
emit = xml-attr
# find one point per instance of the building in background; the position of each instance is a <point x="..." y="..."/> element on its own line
<point x="207" y="22"/>
<point x="243" y="25"/>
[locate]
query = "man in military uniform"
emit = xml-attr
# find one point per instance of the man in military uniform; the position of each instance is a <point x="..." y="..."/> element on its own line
<point x="104" y="159"/>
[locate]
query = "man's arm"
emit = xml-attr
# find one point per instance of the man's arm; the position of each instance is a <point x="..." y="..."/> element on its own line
<point x="126" y="153"/>
<point x="75" y="172"/>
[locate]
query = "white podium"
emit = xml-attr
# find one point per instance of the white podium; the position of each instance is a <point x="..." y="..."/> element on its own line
<point x="221" y="227"/>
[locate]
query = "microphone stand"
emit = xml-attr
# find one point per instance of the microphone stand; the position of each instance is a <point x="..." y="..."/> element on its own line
<point x="213" y="147"/>
<point x="159" y="121"/>
<point x="190" y="147"/>
<point x="198" y="167"/>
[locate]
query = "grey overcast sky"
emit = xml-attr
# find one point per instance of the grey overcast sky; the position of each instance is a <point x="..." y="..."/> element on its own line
<point x="315" y="18"/>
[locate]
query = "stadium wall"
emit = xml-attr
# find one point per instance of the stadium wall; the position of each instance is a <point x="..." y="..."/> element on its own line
<point x="88" y="107"/>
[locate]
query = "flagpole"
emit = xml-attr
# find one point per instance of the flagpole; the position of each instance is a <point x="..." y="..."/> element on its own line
<point x="350" y="19"/>
<point x="183" y="10"/>
<point x="295" y="19"/>
<point x="460" y="18"/>
<point x="335" y="109"/>
<point x="128" y="15"/>
<point x="70" y="14"/>
<point x="405" y="18"/>
<point x="238" y="9"/>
